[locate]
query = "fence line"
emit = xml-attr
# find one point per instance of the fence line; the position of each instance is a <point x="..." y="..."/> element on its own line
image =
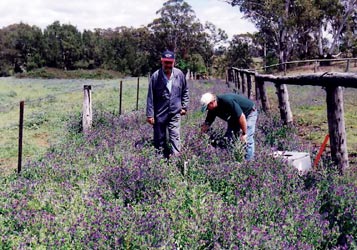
<point x="87" y="114"/>
<point x="332" y="82"/>
<point x="316" y="61"/>
<point x="13" y="105"/>
<point x="10" y="106"/>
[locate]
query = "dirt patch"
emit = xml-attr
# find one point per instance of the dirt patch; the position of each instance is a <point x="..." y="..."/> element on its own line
<point x="42" y="140"/>
<point x="7" y="166"/>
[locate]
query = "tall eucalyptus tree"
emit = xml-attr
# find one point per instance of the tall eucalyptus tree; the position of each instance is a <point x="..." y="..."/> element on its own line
<point x="176" y="29"/>
<point x="293" y="24"/>
<point x="179" y="29"/>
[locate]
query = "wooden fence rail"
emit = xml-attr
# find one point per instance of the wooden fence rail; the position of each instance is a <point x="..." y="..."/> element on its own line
<point x="332" y="83"/>
<point x="315" y="61"/>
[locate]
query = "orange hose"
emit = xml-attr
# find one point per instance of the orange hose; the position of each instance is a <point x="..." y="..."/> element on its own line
<point x="322" y="148"/>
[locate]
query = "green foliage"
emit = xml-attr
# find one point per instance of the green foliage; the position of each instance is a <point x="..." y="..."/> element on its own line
<point x="271" y="59"/>
<point x="8" y="95"/>
<point x="238" y="54"/>
<point x="177" y="26"/>
<point x="179" y="30"/>
<point x="294" y="29"/>
<point x="194" y="62"/>
<point x="63" y="45"/>
<point x="40" y="73"/>
<point x="276" y="134"/>
<point x="36" y="120"/>
<point x="50" y="104"/>
<point x="238" y="151"/>
<point x="52" y="73"/>
<point x="102" y="191"/>
<point x="286" y="32"/>
<point x="22" y="48"/>
<point x="110" y="189"/>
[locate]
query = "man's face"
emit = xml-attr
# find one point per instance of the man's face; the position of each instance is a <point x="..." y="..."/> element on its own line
<point x="167" y="66"/>
<point x="212" y="105"/>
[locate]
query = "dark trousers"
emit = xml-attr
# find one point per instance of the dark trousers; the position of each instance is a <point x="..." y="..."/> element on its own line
<point x="167" y="135"/>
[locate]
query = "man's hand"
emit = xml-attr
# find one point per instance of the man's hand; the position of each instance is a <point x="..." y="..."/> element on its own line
<point x="243" y="138"/>
<point x="183" y="112"/>
<point x="204" y="128"/>
<point x="150" y="120"/>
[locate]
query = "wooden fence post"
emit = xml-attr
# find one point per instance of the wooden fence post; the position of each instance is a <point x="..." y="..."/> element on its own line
<point x="315" y="66"/>
<point x="227" y="77"/>
<point x="87" y="116"/>
<point x="230" y="77"/>
<point x="238" y="81"/>
<point x="263" y="94"/>
<point x="137" y="95"/>
<point x="243" y="82"/>
<point x="257" y="94"/>
<point x="234" y="78"/>
<point x="249" y="83"/>
<point x="348" y="65"/>
<point x="284" y="104"/>
<point x="120" y="95"/>
<point x="336" y="125"/>
<point x="21" y="128"/>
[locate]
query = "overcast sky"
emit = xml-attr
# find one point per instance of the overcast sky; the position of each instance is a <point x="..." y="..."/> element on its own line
<point x="90" y="14"/>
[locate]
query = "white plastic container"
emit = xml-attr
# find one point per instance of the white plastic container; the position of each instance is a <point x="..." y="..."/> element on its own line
<point x="299" y="160"/>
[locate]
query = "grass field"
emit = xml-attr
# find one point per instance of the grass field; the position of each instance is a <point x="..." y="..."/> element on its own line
<point x="49" y="104"/>
<point x="308" y="104"/>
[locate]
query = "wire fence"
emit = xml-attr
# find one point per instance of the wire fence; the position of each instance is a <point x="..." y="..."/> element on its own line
<point x="46" y="115"/>
<point x="110" y="92"/>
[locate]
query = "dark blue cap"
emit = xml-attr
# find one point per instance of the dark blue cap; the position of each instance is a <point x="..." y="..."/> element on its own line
<point x="168" y="56"/>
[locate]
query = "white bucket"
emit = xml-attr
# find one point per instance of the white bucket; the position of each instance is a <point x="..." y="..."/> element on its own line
<point x="299" y="160"/>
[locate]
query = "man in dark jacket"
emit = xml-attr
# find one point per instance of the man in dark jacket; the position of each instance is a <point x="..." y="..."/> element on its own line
<point x="167" y="101"/>
<point x="238" y="111"/>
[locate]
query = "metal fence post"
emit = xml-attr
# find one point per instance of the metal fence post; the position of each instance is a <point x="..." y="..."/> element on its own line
<point x="120" y="95"/>
<point x="21" y="127"/>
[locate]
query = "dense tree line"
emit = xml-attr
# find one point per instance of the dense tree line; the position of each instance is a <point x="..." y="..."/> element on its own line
<point x="287" y="30"/>
<point x="132" y="51"/>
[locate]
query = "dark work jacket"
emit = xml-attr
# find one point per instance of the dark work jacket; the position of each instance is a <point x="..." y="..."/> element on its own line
<point x="229" y="108"/>
<point x="160" y="102"/>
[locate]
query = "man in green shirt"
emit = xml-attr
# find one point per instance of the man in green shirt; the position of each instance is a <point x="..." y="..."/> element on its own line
<point x="238" y="111"/>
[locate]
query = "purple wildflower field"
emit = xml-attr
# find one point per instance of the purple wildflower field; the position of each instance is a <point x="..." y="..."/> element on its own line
<point x="110" y="190"/>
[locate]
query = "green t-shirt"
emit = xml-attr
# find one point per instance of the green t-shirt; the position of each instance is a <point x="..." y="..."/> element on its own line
<point x="229" y="108"/>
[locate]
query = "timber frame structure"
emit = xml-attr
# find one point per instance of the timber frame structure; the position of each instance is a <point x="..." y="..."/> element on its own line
<point x="332" y="82"/>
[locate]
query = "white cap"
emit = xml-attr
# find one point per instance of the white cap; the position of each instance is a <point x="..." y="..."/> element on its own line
<point x="206" y="99"/>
